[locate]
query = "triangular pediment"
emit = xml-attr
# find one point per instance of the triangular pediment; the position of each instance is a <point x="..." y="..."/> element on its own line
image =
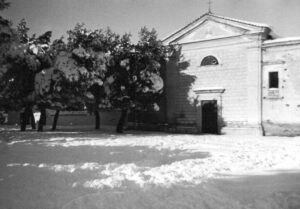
<point x="210" y="26"/>
<point x="210" y="29"/>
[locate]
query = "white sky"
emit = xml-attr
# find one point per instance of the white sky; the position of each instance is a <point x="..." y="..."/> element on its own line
<point x="165" y="16"/>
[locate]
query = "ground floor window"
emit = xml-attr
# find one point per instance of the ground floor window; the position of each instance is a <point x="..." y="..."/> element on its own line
<point x="273" y="80"/>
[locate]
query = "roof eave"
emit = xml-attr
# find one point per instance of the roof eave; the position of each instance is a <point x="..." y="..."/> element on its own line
<point x="274" y="43"/>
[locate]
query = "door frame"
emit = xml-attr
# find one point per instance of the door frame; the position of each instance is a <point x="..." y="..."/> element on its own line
<point x="204" y="94"/>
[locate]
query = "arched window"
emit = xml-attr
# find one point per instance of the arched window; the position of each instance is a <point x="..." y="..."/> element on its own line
<point x="209" y="60"/>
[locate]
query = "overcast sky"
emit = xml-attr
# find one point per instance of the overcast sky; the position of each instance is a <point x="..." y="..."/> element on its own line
<point x="165" y="16"/>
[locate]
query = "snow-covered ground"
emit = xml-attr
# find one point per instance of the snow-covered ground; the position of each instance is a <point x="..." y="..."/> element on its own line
<point x="56" y="170"/>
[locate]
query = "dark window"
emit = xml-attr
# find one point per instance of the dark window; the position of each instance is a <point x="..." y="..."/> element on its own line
<point x="273" y="80"/>
<point x="209" y="60"/>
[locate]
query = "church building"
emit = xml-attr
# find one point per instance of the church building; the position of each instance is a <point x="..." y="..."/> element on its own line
<point x="231" y="76"/>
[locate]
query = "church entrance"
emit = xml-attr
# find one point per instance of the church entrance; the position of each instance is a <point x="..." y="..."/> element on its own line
<point x="209" y="116"/>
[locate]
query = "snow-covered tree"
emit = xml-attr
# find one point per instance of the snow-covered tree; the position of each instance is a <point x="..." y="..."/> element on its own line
<point x="23" y="59"/>
<point x="116" y="73"/>
<point x="91" y="52"/>
<point x="61" y="86"/>
<point x="7" y="36"/>
<point x="137" y="82"/>
<point x="98" y="69"/>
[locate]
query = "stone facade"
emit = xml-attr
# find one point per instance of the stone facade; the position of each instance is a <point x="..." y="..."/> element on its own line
<point x="238" y="83"/>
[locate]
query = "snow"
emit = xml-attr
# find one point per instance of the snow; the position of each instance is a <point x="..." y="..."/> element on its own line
<point x="62" y="167"/>
<point x="157" y="82"/>
<point x="242" y="157"/>
<point x="228" y="156"/>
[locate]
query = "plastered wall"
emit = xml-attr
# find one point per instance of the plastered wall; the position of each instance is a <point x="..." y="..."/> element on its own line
<point x="282" y="106"/>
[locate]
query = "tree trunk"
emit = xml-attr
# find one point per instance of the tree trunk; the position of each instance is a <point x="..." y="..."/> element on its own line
<point x="121" y="123"/>
<point x="32" y="120"/>
<point x="42" y="120"/>
<point x="97" y="119"/>
<point x="23" y="121"/>
<point x="55" y="119"/>
<point x="24" y="118"/>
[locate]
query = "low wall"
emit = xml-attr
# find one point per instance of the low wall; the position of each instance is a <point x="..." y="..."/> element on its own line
<point x="66" y="118"/>
<point x="13" y="118"/>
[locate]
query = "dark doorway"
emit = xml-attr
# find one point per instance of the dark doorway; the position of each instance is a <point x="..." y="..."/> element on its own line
<point x="209" y="116"/>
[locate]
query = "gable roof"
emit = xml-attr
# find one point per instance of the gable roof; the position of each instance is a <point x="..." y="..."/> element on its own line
<point x="241" y="21"/>
<point x="253" y="26"/>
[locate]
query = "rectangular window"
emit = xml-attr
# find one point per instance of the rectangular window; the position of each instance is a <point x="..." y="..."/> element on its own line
<point x="273" y="80"/>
